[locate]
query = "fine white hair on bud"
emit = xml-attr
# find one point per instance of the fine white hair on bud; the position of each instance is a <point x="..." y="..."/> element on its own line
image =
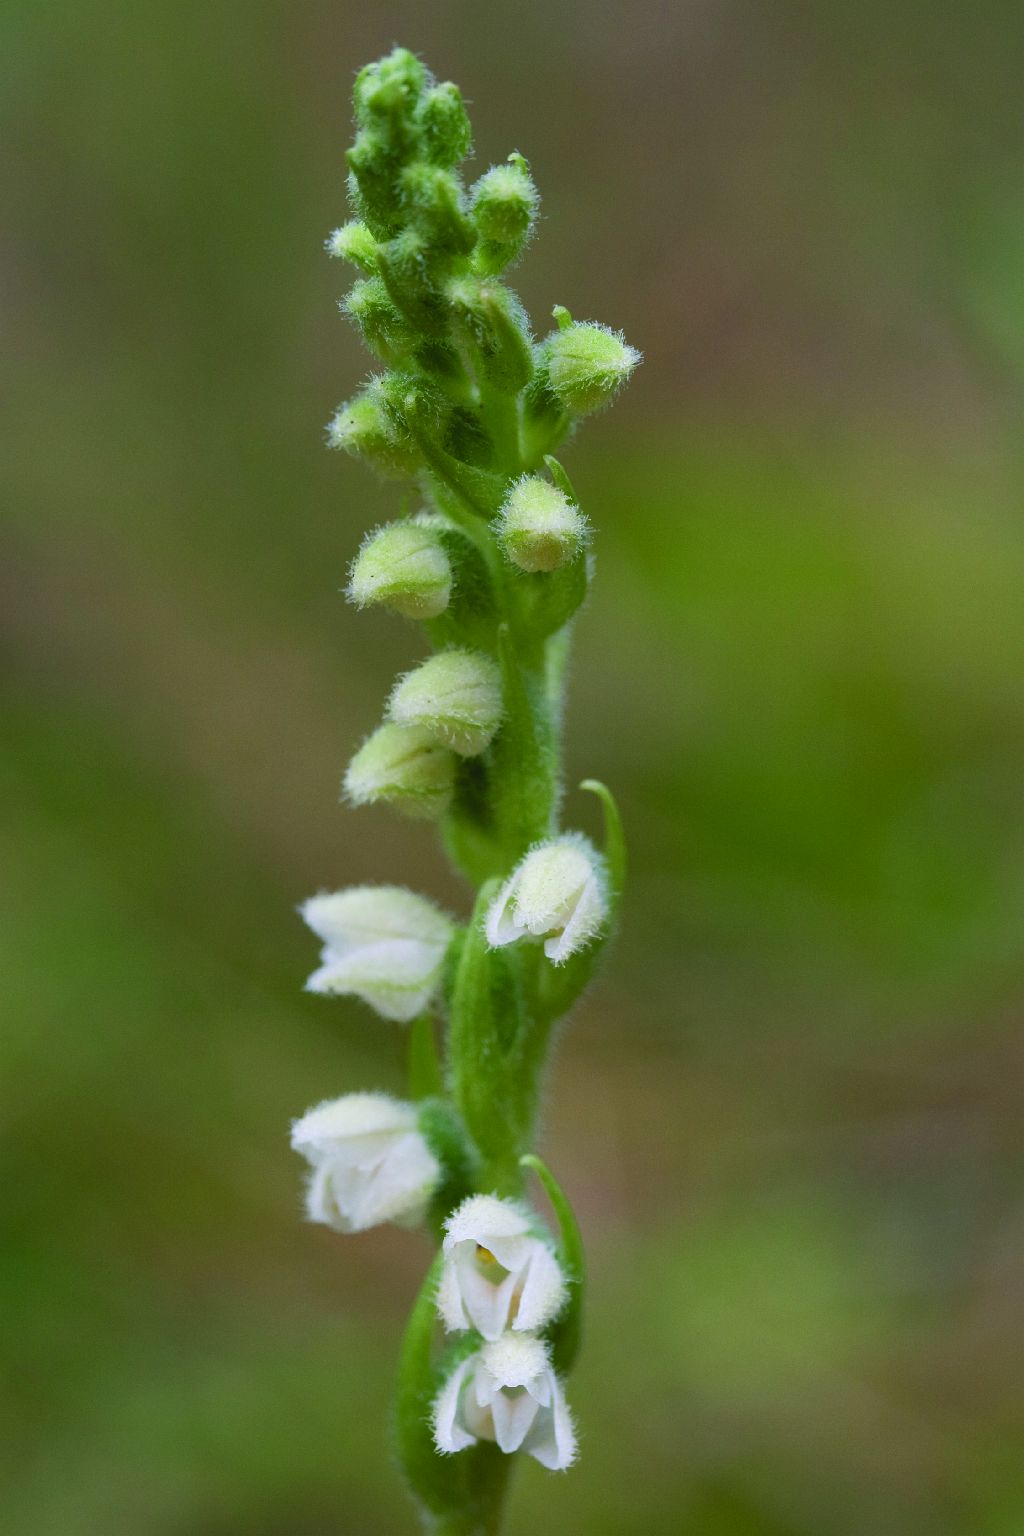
<point x="508" y="1393"/>
<point x="362" y="427"/>
<point x="455" y="697"/>
<point x="557" y="893"/>
<point x="369" y="1162"/>
<point x="353" y="242"/>
<point x="404" y="766"/>
<point x="539" y="528"/>
<point x="588" y="365"/>
<point x="497" y="1273"/>
<point x="403" y="567"/>
<point x="382" y="944"/>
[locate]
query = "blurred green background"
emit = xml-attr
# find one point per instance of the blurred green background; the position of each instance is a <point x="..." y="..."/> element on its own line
<point x="790" y="1114"/>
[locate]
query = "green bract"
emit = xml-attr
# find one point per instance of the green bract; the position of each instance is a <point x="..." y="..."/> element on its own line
<point x="469" y="410"/>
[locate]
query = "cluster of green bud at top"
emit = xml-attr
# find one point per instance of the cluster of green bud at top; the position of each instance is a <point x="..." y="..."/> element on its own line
<point x="468" y="407"/>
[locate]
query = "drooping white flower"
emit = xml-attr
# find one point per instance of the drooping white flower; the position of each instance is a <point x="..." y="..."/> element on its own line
<point x="370" y="1162"/>
<point x="497" y="1274"/>
<point x="557" y="892"/>
<point x="382" y="944"/>
<point x="507" y="1392"/>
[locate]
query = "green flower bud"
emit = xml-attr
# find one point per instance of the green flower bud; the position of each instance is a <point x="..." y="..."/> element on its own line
<point x="404" y="767"/>
<point x="380" y="322"/>
<point x="504" y="202"/>
<point x="587" y="365"/>
<point x="539" y="528"/>
<point x="433" y="200"/>
<point x="405" y="568"/>
<point x="363" y="427"/>
<point x="455" y="697"/>
<point x="387" y="92"/>
<point x="496" y="323"/>
<point x="375" y="169"/>
<point x="444" y="123"/>
<point x="353" y="242"/>
<point x="406" y="263"/>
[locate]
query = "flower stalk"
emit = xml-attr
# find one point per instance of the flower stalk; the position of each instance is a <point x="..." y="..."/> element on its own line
<point x="469" y="409"/>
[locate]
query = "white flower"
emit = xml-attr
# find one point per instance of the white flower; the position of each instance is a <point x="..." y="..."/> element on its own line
<point x="370" y="1163"/>
<point x="557" y="892"/>
<point x="496" y="1274"/>
<point x="507" y="1392"/>
<point x="381" y="943"/>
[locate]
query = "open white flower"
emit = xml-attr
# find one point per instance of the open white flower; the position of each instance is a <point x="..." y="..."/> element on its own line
<point x="507" y="1392"/>
<point x="557" y="892"/>
<point x="382" y="944"/>
<point x="370" y="1162"/>
<point x="497" y="1274"/>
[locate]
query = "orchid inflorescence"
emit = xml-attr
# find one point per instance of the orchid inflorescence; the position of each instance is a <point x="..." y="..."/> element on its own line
<point x="469" y="409"/>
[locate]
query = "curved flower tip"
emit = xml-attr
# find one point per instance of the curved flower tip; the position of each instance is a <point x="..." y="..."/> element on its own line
<point x="557" y="893"/>
<point x="370" y="1162"/>
<point x="383" y="944"/>
<point x="497" y="1273"/>
<point x="507" y="1393"/>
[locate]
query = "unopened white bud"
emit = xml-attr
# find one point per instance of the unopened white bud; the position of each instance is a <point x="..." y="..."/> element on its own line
<point x="556" y="893"/>
<point x="406" y="766"/>
<point x="383" y="944"/>
<point x="497" y="1274"/>
<point x="369" y="1161"/>
<point x="405" y="568"/>
<point x="587" y="365"/>
<point x="455" y="697"/>
<point x="539" y="528"/>
<point x="507" y="1393"/>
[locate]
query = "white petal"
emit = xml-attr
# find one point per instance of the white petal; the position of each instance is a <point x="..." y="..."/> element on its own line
<point x="400" y="1186"/>
<point x="483" y="1217"/>
<point x="589" y="913"/>
<point x="368" y="914"/>
<point x="449" y="1435"/>
<point x="551" y="879"/>
<point x="449" y="1298"/>
<point x="323" y="1128"/>
<point x="500" y="925"/>
<point x="544" y="1291"/>
<point x="487" y="1304"/>
<point x="397" y="977"/>
<point x="515" y="1360"/>
<point x="513" y="1419"/>
<point x="551" y="1440"/>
